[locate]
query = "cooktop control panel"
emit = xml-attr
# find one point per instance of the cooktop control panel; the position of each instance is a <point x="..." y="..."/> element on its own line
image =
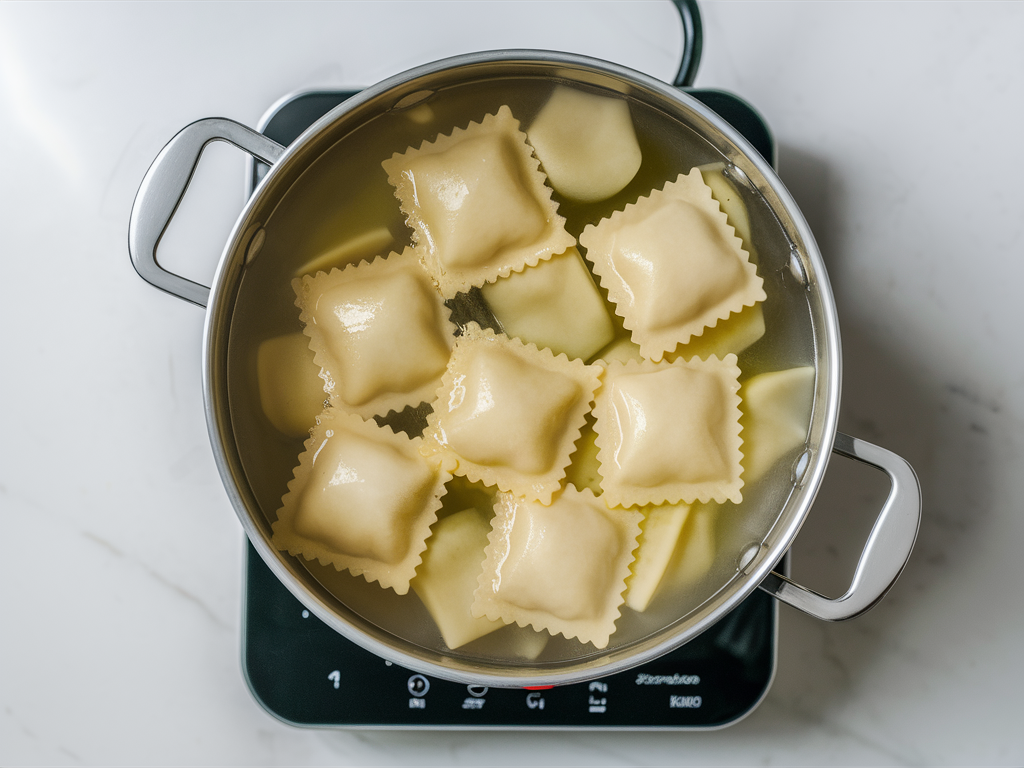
<point x="305" y="673"/>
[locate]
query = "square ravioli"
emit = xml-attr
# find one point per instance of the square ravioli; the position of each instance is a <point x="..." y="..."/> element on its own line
<point x="477" y="204"/>
<point x="380" y="333"/>
<point x="670" y="432"/>
<point x="560" y="567"/>
<point x="363" y="499"/>
<point x="508" y="414"/>
<point x="672" y="265"/>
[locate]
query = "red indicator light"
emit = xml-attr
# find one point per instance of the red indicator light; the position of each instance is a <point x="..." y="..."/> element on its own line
<point x="537" y="687"/>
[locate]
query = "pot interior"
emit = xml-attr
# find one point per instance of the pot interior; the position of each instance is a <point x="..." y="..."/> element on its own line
<point x="330" y="188"/>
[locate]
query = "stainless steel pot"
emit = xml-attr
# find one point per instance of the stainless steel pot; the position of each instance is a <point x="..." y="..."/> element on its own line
<point x="783" y="230"/>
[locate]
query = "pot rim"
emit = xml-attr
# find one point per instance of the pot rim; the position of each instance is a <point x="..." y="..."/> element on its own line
<point x="827" y="397"/>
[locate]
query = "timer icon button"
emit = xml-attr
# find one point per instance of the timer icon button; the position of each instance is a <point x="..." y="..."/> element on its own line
<point x="418" y="685"/>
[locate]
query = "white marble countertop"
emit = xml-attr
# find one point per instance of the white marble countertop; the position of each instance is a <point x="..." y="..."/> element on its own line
<point x="899" y="130"/>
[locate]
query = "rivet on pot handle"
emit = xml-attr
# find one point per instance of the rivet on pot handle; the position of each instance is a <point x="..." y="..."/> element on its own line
<point x="888" y="547"/>
<point x="164" y="187"/>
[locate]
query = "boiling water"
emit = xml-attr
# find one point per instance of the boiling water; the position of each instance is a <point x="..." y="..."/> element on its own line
<point x="345" y="193"/>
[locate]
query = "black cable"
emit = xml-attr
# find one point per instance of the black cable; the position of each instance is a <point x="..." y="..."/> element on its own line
<point x="693" y="39"/>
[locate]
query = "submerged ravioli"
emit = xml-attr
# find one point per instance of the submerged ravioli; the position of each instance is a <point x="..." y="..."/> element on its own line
<point x="511" y="642"/>
<point x="494" y="415"/>
<point x="508" y="414"/>
<point x="362" y="499"/>
<point x="694" y="553"/>
<point x="731" y="336"/>
<point x="554" y="304"/>
<point x="776" y="411"/>
<point x="291" y="390"/>
<point x="672" y="265"/>
<point x="380" y="333"/>
<point x="560" y="567"/>
<point x="447" y="578"/>
<point x="477" y="204"/>
<point x="669" y="432"/>
<point x="660" y="531"/>
<point x="364" y="246"/>
<point x="586" y="144"/>
<point x="675" y="289"/>
<point x="728" y="197"/>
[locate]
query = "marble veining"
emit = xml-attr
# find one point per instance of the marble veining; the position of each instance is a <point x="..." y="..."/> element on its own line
<point x="159" y="578"/>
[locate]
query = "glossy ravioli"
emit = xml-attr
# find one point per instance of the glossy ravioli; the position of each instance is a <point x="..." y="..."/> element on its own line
<point x="670" y="432"/>
<point x="560" y="567"/>
<point x="477" y="204"/>
<point x="363" y="499"/>
<point x="379" y="331"/>
<point x="508" y="414"/>
<point x="672" y="265"/>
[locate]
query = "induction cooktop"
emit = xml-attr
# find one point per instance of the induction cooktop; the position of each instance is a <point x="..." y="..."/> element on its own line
<point x="303" y="672"/>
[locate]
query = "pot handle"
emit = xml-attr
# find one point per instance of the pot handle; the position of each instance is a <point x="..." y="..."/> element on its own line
<point x="164" y="186"/>
<point x="888" y="547"/>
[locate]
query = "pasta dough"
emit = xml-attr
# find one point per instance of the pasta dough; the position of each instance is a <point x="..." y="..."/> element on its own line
<point x="291" y="390"/>
<point x="379" y="331"/>
<point x="695" y="551"/>
<point x="776" y="412"/>
<point x="731" y="203"/>
<point x="554" y="305"/>
<point x="731" y="336"/>
<point x="672" y="265"/>
<point x="508" y="414"/>
<point x="362" y="499"/>
<point x="364" y="246"/>
<point x="447" y="578"/>
<point x="659" y="533"/>
<point x="477" y="204"/>
<point x="669" y="432"/>
<point x="560" y="567"/>
<point x="586" y="144"/>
